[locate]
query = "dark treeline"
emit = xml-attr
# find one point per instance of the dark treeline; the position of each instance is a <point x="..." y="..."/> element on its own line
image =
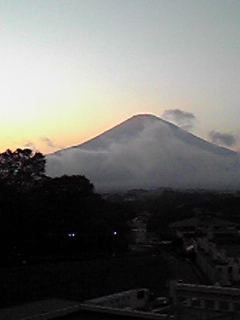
<point x="173" y="205"/>
<point x="42" y="216"/>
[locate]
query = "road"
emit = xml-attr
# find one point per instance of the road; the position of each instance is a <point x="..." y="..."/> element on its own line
<point x="182" y="269"/>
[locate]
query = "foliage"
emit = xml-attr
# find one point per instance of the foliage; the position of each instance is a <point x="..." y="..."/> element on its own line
<point x="38" y="213"/>
<point x="22" y="167"/>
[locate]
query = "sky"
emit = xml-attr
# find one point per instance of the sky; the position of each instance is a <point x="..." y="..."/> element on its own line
<point x="71" y="69"/>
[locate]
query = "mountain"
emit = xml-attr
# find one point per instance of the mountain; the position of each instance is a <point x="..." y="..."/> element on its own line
<point x="148" y="152"/>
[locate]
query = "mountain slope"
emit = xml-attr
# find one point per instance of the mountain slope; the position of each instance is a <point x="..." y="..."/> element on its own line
<point x="148" y="152"/>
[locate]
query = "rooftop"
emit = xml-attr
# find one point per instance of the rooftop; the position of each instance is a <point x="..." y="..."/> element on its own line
<point x="203" y="220"/>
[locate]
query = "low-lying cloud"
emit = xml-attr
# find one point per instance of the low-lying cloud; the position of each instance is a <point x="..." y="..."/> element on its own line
<point x="224" y="139"/>
<point x="157" y="156"/>
<point x="181" y="118"/>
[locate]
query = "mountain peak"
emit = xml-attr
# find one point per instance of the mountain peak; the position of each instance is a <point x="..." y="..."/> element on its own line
<point x="124" y="131"/>
<point x="144" y="116"/>
<point x="147" y="152"/>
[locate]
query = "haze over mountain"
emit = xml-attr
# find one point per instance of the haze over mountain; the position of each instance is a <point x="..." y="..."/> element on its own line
<point x="148" y="152"/>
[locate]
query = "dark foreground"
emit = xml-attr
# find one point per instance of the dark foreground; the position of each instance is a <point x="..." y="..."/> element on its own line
<point x="81" y="280"/>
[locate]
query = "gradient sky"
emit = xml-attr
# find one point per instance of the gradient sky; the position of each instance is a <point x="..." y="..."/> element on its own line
<point x="71" y="69"/>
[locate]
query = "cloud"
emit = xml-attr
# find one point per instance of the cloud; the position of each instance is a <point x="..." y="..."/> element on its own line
<point x="225" y="139"/>
<point x="159" y="155"/>
<point x="30" y="145"/>
<point x="49" y="142"/>
<point x="181" y="118"/>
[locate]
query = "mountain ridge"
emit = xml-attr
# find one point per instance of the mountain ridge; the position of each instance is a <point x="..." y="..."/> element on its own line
<point x="145" y="118"/>
<point x="145" y="151"/>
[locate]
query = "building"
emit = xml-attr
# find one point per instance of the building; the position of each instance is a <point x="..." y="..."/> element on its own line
<point x="219" y="261"/>
<point x="131" y="300"/>
<point x="202" y="302"/>
<point x="139" y="230"/>
<point x="216" y="243"/>
<point x="201" y="225"/>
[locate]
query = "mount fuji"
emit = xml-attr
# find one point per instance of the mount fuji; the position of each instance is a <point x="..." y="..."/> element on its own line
<point x="148" y="152"/>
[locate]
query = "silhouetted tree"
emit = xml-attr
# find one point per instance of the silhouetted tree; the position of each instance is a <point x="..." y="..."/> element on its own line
<point x="22" y="167"/>
<point x="62" y="205"/>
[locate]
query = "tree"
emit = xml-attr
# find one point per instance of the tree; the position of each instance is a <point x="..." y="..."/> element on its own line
<point x="22" y="167"/>
<point x="56" y="209"/>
